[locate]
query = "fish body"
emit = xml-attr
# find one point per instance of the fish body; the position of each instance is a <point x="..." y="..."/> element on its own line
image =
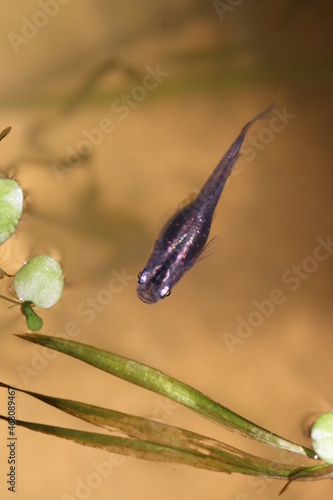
<point x="184" y="237"/>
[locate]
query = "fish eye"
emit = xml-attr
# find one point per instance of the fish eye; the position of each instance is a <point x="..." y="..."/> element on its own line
<point x="142" y="277"/>
<point x="165" y="292"/>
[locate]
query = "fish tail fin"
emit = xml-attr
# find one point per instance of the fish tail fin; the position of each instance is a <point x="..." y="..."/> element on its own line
<point x="260" y="116"/>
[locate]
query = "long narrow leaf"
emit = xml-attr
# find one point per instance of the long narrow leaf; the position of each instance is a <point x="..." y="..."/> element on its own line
<point x="156" y="381"/>
<point x="126" y="446"/>
<point x="230" y="459"/>
<point x="172" y="454"/>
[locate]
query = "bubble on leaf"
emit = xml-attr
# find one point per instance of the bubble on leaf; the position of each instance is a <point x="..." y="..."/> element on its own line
<point x="11" y="205"/>
<point x="322" y="437"/>
<point x="40" y="281"/>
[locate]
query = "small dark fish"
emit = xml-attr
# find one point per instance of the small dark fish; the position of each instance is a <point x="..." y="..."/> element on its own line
<point x="184" y="237"/>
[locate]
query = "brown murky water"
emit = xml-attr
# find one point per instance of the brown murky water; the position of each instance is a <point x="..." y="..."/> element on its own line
<point x="145" y="99"/>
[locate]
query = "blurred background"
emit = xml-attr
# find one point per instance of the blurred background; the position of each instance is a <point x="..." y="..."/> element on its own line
<point x="118" y="111"/>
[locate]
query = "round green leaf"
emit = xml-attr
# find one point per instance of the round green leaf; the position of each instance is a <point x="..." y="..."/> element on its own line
<point x="322" y="437"/>
<point x="40" y="281"/>
<point x="11" y="204"/>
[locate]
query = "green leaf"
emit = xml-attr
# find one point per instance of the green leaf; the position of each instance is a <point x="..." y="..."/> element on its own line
<point x="11" y="205"/>
<point x="40" y="281"/>
<point x="160" y="383"/>
<point x="322" y="437"/>
<point x="157" y="441"/>
<point x="5" y="132"/>
<point x="129" y="447"/>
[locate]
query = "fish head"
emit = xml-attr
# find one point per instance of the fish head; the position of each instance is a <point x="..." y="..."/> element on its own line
<point x="152" y="286"/>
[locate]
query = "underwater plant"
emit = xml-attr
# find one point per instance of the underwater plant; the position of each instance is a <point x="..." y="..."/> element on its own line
<point x="40" y="281"/>
<point x="152" y="440"/>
